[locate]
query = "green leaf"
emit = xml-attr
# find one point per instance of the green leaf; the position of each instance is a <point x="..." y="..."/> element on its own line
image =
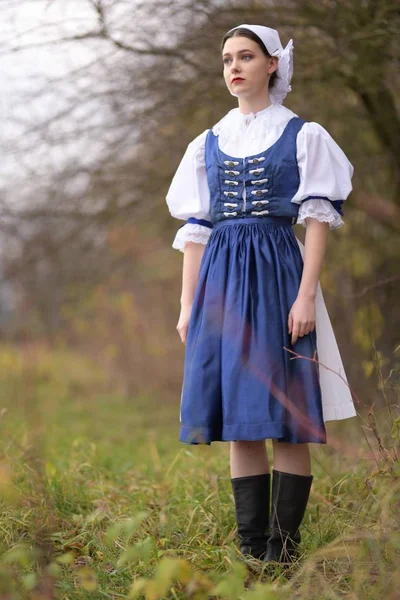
<point x="29" y="581"/>
<point x="18" y="555"/>
<point x="65" y="559"/>
<point x="138" y="587"/>
<point x="87" y="579"/>
<point x="395" y="433"/>
<point x="231" y="586"/>
<point x="126" y="527"/>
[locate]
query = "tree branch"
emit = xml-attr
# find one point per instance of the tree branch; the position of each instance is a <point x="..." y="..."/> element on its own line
<point x="378" y="208"/>
<point x="382" y="110"/>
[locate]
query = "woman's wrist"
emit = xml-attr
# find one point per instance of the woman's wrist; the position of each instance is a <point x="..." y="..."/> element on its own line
<point x="186" y="302"/>
<point x="307" y="294"/>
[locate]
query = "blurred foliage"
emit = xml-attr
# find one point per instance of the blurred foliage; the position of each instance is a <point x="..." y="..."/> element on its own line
<point x="86" y="248"/>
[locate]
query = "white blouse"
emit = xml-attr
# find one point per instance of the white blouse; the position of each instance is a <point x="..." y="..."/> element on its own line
<point x="323" y="168"/>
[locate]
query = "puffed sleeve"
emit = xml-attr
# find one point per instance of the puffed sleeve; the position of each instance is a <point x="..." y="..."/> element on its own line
<point x="188" y="197"/>
<point x="325" y="176"/>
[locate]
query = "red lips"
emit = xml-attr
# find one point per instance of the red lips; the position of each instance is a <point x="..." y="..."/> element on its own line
<point x="237" y="79"/>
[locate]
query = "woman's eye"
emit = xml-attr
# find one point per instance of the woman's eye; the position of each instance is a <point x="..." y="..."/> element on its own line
<point x="247" y="56"/>
<point x="226" y="60"/>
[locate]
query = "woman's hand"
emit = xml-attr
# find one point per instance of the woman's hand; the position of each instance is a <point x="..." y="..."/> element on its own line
<point x="301" y="318"/>
<point x="183" y="322"/>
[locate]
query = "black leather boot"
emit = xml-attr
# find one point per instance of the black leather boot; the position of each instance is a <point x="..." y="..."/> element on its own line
<point x="290" y="493"/>
<point x="252" y="496"/>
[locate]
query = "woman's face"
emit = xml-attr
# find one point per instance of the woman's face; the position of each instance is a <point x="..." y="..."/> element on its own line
<point x="246" y="68"/>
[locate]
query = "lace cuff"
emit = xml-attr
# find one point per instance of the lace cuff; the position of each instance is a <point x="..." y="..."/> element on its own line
<point x="319" y="209"/>
<point x="191" y="233"/>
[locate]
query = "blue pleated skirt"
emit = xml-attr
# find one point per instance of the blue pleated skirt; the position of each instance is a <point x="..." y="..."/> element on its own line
<point x="239" y="381"/>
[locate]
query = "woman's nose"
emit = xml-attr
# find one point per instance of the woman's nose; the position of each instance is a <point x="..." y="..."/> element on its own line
<point x="234" y="66"/>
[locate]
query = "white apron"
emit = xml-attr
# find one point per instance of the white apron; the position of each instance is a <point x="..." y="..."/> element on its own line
<point x="337" y="402"/>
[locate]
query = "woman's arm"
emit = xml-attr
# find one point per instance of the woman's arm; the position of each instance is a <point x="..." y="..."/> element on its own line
<point x="301" y="318"/>
<point x="191" y="266"/>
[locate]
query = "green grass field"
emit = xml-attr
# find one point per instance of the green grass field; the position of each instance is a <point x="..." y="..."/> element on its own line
<point x="99" y="499"/>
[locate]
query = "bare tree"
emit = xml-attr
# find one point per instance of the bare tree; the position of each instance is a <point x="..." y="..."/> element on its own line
<point x="93" y="147"/>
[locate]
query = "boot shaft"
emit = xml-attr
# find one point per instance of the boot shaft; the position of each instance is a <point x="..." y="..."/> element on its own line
<point x="290" y="494"/>
<point x="252" y="508"/>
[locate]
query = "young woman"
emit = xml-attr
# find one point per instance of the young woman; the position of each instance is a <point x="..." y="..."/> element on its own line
<point x="250" y="291"/>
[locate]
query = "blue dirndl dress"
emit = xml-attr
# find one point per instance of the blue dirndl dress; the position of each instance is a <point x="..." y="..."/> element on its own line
<point x="240" y="381"/>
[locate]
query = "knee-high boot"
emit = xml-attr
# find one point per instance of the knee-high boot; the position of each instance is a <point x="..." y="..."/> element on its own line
<point x="290" y="493"/>
<point x="252" y="496"/>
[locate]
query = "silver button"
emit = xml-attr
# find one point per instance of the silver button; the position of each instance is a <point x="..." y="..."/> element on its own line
<point x="259" y="192"/>
<point x="260" y="213"/>
<point x="256" y="161"/>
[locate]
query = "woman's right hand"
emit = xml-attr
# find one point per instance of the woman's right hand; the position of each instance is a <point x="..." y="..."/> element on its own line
<point x="183" y="322"/>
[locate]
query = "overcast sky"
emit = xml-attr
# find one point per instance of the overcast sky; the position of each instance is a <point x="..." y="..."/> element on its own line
<point x="67" y="102"/>
<point x="34" y="81"/>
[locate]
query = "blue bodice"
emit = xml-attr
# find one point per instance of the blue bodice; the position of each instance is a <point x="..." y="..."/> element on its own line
<point x="258" y="185"/>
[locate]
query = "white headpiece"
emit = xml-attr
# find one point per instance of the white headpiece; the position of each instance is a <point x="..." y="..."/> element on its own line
<point x="270" y="39"/>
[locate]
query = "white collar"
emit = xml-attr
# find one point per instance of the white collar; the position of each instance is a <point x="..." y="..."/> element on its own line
<point x="248" y="117"/>
<point x="235" y="121"/>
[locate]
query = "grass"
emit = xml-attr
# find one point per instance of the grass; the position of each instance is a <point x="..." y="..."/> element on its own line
<point x="99" y="500"/>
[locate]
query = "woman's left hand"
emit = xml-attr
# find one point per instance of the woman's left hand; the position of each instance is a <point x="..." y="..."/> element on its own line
<point x="301" y="320"/>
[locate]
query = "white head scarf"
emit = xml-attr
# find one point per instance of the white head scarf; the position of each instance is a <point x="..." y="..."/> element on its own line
<point x="270" y="39"/>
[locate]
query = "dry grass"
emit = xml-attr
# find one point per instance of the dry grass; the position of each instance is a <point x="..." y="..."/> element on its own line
<point x="99" y="500"/>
